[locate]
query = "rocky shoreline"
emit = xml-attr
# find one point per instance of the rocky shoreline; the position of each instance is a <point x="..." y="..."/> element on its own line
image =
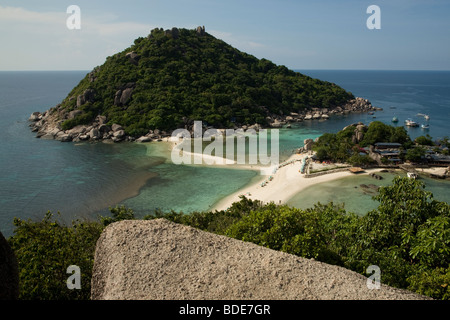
<point x="48" y="125"/>
<point x="357" y="105"/>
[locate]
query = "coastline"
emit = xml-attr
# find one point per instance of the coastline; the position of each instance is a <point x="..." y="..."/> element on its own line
<point x="286" y="183"/>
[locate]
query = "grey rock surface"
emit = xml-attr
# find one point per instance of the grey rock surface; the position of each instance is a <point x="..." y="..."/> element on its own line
<point x="161" y="260"/>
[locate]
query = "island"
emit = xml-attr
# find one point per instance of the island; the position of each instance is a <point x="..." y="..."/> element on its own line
<point x="173" y="77"/>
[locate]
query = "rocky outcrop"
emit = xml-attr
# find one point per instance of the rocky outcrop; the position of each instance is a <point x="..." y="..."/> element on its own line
<point x="307" y="145"/>
<point x="123" y="95"/>
<point x="47" y="127"/>
<point x="133" y="57"/>
<point x="9" y="273"/>
<point x="161" y="260"/>
<point x="358" y="135"/>
<point x="48" y="124"/>
<point x="87" y="96"/>
<point x="174" y="33"/>
<point x="356" y="105"/>
<point x="201" y="31"/>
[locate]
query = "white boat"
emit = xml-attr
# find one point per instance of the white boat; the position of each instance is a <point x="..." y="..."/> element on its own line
<point x="412" y="175"/>
<point x="427" y="117"/>
<point x="410" y="123"/>
<point x="395" y="119"/>
<point x="425" y="126"/>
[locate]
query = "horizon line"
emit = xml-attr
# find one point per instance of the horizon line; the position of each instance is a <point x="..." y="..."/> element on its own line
<point x="293" y="69"/>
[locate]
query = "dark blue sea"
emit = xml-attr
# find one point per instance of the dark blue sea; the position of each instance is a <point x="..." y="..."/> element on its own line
<point x="82" y="181"/>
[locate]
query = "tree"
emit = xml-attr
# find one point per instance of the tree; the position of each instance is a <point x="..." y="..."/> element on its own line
<point x="377" y="132"/>
<point x="407" y="234"/>
<point x="282" y="228"/>
<point x="322" y="154"/>
<point x="424" y="141"/>
<point x="45" y="250"/>
<point x="415" y="154"/>
<point x="193" y="77"/>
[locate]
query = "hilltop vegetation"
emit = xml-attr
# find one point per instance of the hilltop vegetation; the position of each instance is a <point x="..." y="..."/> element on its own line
<point x="169" y="79"/>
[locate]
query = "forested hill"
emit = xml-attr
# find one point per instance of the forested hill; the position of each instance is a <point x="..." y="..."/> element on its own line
<point x="173" y="77"/>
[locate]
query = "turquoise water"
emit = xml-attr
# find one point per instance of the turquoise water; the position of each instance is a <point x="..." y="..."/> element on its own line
<point x="356" y="198"/>
<point x="83" y="180"/>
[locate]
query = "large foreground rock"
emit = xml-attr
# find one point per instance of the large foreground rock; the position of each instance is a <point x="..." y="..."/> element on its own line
<point x="159" y="259"/>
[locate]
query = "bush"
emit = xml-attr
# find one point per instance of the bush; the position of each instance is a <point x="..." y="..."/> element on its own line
<point x="424" y="141"/>
<point x="46" y="249"/>
<point x="407" y="236"/>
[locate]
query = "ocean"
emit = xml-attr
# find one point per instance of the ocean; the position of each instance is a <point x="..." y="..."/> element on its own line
<point x="81" y="181"/>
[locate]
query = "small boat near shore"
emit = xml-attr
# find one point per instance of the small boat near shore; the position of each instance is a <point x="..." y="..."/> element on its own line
<point x="425" y="126"/>
<point x="412" y="175"/>
<point x="395" y="119"/>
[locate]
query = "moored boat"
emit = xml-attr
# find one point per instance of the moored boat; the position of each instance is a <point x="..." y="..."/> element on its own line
<point x="395" y="119"/>
<point x="411" y="123"/>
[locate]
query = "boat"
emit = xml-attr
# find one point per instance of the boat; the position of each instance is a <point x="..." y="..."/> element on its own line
<point x="410" y="123"/>
<point x="395" y="119"/>
<point x="425" y="126"/>
<point x="427" y="117"/>
<point x="412" y="175"/>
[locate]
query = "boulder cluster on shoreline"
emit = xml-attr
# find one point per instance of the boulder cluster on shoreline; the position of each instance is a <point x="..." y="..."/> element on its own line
<point x="48" y="125"/>
<point x="357" y="105"/>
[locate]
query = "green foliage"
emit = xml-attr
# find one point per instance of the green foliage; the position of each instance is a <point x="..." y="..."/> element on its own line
<point x="415" y="154"/>
<point x="217" y="221"/>
<point x="176" y="81"/>
<point x="341" y="147"/>
<point x="380" y="132"/>
<point x="118" y="214"/>
<point x="424" y="140"/>
<point x="434" y="283"/>
<point x="360" y="160"/>
<point x="336" y="147"/>
<point x="281" y="228"/>
<point x="407" y="233"/>
<point x="407" y="236"/>
<point x="46" y="249"/>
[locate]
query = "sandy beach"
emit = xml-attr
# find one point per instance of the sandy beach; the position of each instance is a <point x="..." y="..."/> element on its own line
<point x="277" y="186"/>
<point x="285" y="184"/>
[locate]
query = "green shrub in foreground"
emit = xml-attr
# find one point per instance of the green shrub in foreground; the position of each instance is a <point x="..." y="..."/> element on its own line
<point x="407" y="236"/>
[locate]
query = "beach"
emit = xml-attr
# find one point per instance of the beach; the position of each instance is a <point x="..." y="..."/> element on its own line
<point x="284" y="184"/>
<point x="41" y="175"/>
<point x="277" y="183"/>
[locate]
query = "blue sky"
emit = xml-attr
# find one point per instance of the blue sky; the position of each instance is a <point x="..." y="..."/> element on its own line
<point x="319" y="34"/>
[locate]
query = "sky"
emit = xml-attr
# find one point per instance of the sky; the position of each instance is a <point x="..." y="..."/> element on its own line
<point x="319" y="34"/>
